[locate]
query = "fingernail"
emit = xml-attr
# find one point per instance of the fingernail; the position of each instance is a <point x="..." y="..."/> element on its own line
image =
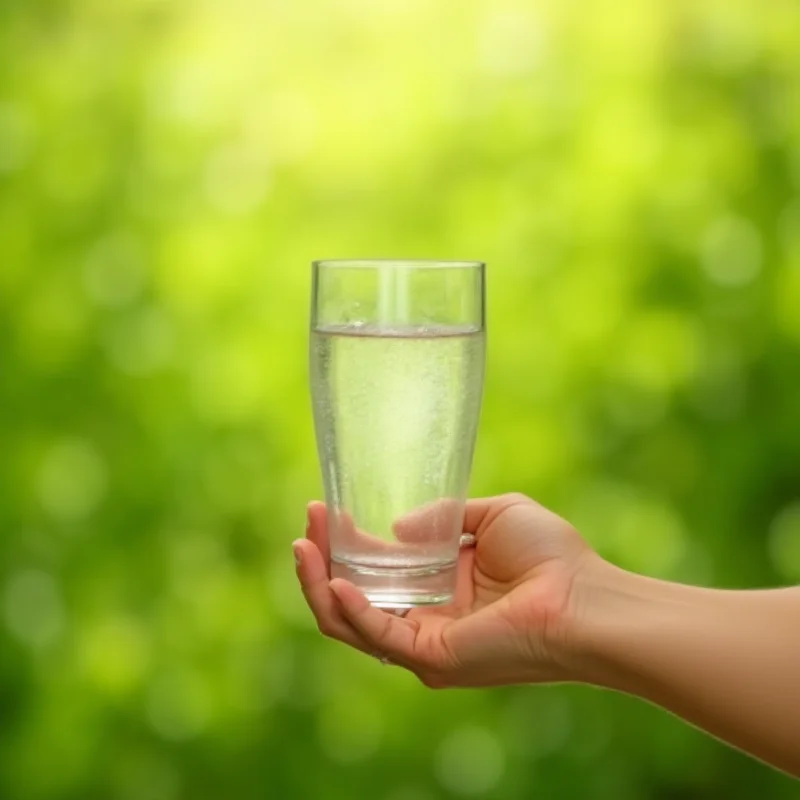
<point x="298" y="553"/>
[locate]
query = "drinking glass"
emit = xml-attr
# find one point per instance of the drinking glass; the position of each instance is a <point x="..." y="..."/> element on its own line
<point x="396" y="364"/>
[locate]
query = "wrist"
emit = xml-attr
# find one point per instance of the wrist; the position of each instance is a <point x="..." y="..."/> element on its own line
<point x="610" y="610"/>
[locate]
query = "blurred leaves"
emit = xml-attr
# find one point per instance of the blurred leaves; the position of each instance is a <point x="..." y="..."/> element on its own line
<point x="630" y="171"/>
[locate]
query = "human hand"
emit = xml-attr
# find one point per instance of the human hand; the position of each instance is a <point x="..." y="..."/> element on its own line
<point x="513" y="610"/>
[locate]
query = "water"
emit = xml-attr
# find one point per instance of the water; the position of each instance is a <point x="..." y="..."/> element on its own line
<point x="396" y="412"/>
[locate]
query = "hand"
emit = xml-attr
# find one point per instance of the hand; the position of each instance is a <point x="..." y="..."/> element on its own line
<point x="513" y="611"/>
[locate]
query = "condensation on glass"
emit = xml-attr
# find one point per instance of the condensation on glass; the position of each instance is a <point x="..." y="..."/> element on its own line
<point x="397" y="351"/>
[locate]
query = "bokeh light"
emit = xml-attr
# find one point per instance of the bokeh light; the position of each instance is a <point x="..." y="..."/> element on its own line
<point x="631" y="173"/>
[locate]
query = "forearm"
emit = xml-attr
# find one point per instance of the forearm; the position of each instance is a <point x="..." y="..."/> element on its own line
<point x="727" y="661"/>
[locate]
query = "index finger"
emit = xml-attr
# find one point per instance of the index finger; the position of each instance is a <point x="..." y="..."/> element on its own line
<point x="390" y="635"/>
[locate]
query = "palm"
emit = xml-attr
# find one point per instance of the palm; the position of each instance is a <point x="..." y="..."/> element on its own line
<point x="518" y="573"/>
<point x="510" y="587"/>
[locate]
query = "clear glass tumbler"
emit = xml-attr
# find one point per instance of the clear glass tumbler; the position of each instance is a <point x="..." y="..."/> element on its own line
<point x="396" y="362"/>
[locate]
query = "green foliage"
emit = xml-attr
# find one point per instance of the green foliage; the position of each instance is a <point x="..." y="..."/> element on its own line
<point x="629" y="170"/>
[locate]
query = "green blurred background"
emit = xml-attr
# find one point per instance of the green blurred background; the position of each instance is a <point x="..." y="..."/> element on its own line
<point x="631" y="172"/>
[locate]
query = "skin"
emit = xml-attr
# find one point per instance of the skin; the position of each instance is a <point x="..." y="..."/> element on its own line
<point x="534" y="604"/>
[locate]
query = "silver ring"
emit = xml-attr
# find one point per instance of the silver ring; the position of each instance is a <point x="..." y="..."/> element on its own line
<point x="467" y="540"/>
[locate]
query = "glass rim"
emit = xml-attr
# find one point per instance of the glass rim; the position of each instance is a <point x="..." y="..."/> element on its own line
<point x="395" y="263"/>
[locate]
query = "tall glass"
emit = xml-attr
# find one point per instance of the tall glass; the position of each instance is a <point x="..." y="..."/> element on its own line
<point x="397" y="360"/>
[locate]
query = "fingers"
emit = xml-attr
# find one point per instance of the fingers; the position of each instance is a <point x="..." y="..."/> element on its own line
<point x="312" y="570"/>
<point x="343" y="612"/>
<point x="345" y="531"/>
<point x="390" y="635"/>
<point x="317" y="529"/>
<point x="439" y="520"/>
<point x="465" y="584"/>
<point x="436" y="521"/>
<point x="320" y="524"/>
<point x="480" y="511"/>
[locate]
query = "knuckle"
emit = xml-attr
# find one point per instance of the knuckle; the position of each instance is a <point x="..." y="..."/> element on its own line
<point x="326" y="628"/>
<point x="386" y="626"/>
<point x="515" y="498"/>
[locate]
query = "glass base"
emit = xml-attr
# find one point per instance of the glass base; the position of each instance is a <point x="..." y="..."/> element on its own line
<point x="400" y="587"/>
